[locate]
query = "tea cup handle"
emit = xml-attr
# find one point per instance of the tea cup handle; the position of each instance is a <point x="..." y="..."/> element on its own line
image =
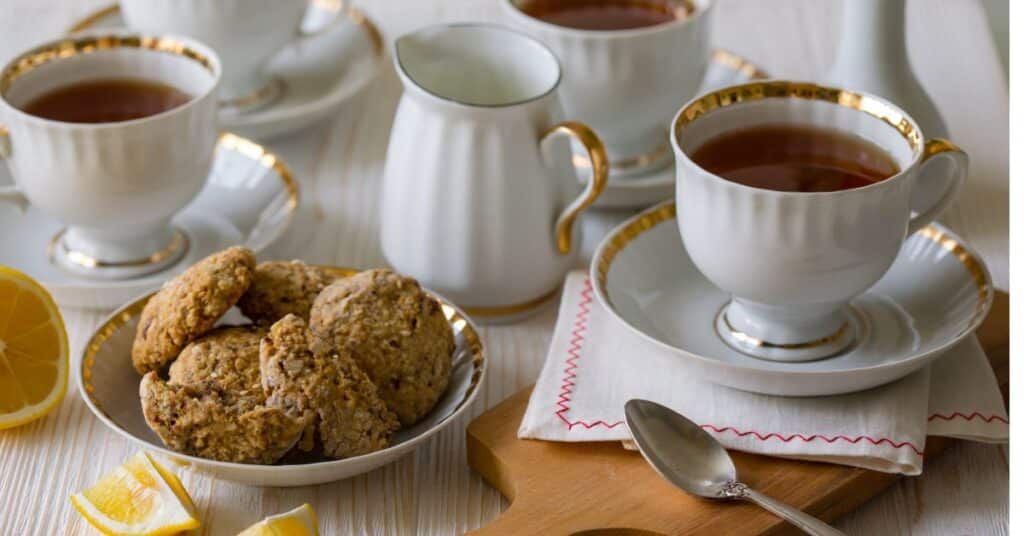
<point x="947" y="149"/>
<point x="595" y="185"/>
<point x="340" y="14"/>
<point x="10" y="194"/>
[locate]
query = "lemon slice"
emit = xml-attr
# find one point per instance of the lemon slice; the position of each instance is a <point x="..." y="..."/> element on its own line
<point x="138" y="498"/>
<point x="172" y="480"/>
<point x="298" y="522"/>
<point x="33" y="350"/>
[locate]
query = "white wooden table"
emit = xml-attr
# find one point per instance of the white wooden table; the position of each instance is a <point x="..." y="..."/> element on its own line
<point x="433" y="491"/>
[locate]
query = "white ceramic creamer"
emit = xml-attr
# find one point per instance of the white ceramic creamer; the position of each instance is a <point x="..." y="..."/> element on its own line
<point x="480" y="197"/>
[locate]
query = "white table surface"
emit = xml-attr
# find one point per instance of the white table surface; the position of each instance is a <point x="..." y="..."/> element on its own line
<point x="433" y="491"/>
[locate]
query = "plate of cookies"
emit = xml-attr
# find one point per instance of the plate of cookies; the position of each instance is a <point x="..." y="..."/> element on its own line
<point x="282" y="373"/>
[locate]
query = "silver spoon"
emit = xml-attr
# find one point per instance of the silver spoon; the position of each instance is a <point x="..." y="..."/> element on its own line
<point x="688" y="457"/>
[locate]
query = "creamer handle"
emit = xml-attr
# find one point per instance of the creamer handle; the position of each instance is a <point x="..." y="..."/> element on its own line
<point x="343" y="12"/>
<point x="595" y="185"/>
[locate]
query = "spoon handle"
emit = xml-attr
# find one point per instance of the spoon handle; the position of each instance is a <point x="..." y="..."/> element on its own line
<point x="807" y="523"/>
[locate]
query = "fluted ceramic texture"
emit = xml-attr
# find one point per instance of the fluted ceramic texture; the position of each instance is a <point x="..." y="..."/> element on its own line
<point x="626" y="85"/>
<point x="778" y="248"/>
<point x="469" y="203"/>
<point x="114" y="176"/>
<point x="959" y="303"/>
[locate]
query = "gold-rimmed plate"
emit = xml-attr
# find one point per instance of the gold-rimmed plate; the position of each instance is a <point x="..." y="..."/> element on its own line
<point x="936" y="293"/>
<point x="250" y="198"/>
<point x="318" y="80"/>
<point x="109" y="385"/>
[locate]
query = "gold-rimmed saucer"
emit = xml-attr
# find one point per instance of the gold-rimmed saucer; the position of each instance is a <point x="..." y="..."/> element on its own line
<point x="109" y="385"/>
<point x="317" y="81"/>
<point x="250" y="198"/>
<point x="936" y="293"/>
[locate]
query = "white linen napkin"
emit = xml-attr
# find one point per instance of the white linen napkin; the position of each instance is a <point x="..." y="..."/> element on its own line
<point x="595" y="365"/>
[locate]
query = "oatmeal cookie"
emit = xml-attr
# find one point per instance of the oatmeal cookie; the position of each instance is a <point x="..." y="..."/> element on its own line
<point x="189" y="305"/>
<point x="227" y="358"/>
<point x="280" y="288"/>
<point x="327" y="391"/>
<point x="213" y="424"/>
<point x="394" y="331"/>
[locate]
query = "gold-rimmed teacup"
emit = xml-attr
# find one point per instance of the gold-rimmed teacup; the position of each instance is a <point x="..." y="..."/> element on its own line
<point x="116" y="185"/>
<point x="793" y="260"/>
<point x="627" y="82"/>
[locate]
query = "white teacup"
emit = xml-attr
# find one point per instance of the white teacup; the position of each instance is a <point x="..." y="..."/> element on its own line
<point x="793" y="260"/>
<point x="627" y="83"/>
<point x="244" y="33"/>
<point x="116" y="185"/>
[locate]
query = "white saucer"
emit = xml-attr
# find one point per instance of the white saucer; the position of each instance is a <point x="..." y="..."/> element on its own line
<point x="318" y="80"/>
<point x="638" y="191"/>
<point x="937" y="292"/>
<point x="109" y="385"/>
<point x="249" y="199"/>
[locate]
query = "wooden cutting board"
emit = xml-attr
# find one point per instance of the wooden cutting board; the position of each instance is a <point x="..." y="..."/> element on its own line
<point x="598" y="489"/>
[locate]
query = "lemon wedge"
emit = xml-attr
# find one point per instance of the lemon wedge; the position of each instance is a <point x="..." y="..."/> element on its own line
<point x="139" y="498"/>
<point x="298" y="522"/>
<point x="33" y="350"/>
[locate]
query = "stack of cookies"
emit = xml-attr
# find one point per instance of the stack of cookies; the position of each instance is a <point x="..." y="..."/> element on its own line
<point x="329" y="368"/>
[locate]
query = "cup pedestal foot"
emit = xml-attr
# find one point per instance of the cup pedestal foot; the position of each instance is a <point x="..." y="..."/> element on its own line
<point x="825" y="334"/>
<point x="79" y="253"/>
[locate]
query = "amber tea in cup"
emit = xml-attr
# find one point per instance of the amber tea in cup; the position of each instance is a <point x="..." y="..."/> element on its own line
<point x="106" y="101"/>
<point x="606" y="14"/>
<point x="790" y="158"/>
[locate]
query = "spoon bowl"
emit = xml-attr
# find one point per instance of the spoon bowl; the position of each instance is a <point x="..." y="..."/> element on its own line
<point x="690" y="458"/>
<point x="679" y="450"/>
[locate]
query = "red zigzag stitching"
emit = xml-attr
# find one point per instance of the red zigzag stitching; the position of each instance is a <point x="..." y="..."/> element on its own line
<point x="971" y="417"/>
<point x="579" y="328"/>
<point x="808" y="439"/>
<point x="568" y="384"/>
